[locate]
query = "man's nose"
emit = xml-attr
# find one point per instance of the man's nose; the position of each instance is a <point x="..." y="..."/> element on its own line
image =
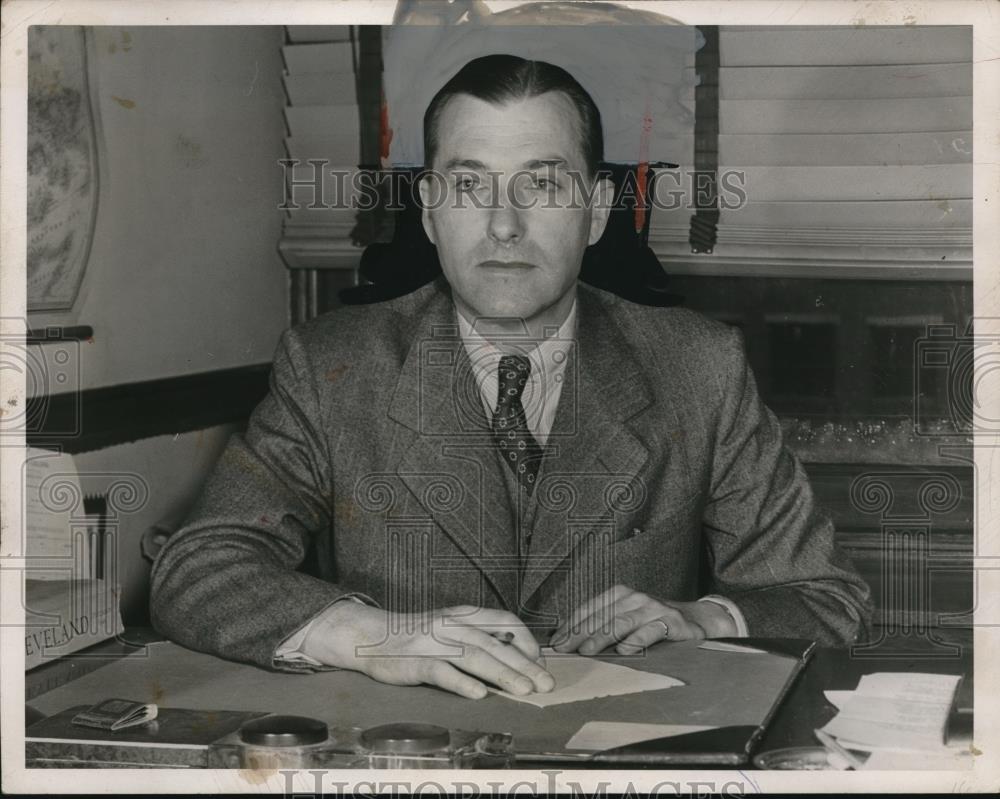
<point x="506" y="225"/>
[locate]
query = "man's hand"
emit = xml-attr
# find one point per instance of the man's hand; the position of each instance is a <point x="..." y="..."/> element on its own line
<point x="635" y="621"/>
<point x="451" y="648"/>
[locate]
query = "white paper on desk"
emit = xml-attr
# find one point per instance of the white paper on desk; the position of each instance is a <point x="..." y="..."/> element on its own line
<point x="596" y="736"/>
<point x="890" y="747"/>
<point x="899" y="710"/>
<point x="838" y="698"/>
<point x="946" y="760"/>
<point x="579" y="678"/>
<point x="910" y="686"/>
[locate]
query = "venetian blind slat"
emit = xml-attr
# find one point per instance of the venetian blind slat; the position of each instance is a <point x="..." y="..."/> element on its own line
<point x="328" y="57"/>
<point x="319" y="33"/>
<point x="859" y="149"/>
<point x="859" y="216"/>
<point x="833" y="183"/>
<point x="317" y="121"/>
<point x="319" y="88"/>
<point x="844" y="46"/>
<point x="845" y="83"/>
<point x="901" y="115"/>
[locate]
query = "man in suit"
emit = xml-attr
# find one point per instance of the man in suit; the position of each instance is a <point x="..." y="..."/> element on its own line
<point x="504" y="456"/>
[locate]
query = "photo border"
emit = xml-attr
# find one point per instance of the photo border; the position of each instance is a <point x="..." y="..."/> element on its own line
<point x="19" y="14"/>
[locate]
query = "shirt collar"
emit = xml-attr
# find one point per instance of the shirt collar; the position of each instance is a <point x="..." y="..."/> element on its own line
<point x="560" y="342"/>
<point x="548" y="364"/>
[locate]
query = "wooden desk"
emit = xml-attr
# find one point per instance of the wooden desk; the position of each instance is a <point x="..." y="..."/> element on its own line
<point x="804" y="709"/>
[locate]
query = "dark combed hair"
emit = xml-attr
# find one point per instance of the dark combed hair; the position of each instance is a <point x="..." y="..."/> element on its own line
<point x="498" y="79"/>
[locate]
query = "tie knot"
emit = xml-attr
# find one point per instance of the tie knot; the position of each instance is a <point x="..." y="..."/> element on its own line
<point x="513" y="376"/>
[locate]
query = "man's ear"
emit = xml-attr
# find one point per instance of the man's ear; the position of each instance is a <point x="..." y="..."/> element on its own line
<point x="603" y="194"/>
<point x="427" y="200"/>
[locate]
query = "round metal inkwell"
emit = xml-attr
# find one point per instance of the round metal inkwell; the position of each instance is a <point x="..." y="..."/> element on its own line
<point x="409" y="738"/>
<point x="283" y="731"/>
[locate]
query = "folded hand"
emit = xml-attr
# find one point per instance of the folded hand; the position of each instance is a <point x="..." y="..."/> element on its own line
<point x="635" y="620"/>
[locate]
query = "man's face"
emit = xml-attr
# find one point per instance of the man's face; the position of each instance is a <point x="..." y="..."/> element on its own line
<point x="503" y="251"/>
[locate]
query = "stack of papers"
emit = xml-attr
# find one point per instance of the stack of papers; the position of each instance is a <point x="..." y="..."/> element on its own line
<point x="901" y="719"/>
<point x="49" y="479"/>
<point x="67" y="605"/>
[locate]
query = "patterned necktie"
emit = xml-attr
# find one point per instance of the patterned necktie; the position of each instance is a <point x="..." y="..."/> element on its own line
<point x="517" y="446"/>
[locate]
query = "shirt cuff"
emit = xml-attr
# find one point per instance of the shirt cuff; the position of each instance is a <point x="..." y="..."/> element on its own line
<point x="737" y="615"/>
<point x="289" y="650"/>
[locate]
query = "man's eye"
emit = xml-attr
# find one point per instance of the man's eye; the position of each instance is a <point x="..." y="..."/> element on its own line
<point x="539" y="182"/>
<point x="466" y="182"/>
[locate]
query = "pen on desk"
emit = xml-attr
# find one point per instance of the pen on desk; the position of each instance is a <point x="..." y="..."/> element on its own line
<point x="507" y="637"/>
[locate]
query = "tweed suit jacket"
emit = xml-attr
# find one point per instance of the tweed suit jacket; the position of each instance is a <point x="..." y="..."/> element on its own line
<point x="369" y="469"/>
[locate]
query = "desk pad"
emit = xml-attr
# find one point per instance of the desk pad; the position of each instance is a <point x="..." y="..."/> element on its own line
<point x="722" y="689"/>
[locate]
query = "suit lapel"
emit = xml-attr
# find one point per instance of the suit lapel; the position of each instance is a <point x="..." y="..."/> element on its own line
<point x="450" y="466"/>
<point x="592" y="457"/>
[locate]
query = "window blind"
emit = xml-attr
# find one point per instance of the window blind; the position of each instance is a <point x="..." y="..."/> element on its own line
<point x="323" y="122"/>
<point x="854" y="148"/>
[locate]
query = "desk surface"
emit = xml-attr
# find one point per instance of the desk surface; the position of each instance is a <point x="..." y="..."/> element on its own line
<point x="174" y="677"/>
<point x="720" y="689"/>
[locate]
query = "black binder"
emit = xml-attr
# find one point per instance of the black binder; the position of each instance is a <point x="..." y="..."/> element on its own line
<point x="728" y="745"/>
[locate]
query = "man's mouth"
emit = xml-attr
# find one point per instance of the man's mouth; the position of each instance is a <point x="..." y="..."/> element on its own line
<point x="506" y="265"/>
